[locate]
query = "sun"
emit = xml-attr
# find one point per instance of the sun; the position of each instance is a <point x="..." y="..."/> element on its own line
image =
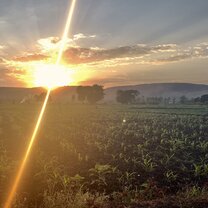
<point x="51" y="76"/>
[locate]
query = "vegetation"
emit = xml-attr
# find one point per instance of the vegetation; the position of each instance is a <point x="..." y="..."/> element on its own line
<point x="203" y="99"/>
<point x="134" y="97"/>
<point x="126" y="96"/>
<point x="91" y="94"/>
<point x="109" y="156"/>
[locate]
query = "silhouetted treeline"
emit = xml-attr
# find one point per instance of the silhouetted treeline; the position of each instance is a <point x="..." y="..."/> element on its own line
<point x="90" y="94"/>
<point x="203" y="99"/>
<point x="127" y="96"/>
<point x="134" y="97"/>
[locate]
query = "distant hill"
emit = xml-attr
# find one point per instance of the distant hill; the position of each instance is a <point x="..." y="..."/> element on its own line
<point x="161" y="90"/>
<point x="146" y="90"/>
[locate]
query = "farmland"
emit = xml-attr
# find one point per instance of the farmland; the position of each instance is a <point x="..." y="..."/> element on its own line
<point x="107" y="155"/>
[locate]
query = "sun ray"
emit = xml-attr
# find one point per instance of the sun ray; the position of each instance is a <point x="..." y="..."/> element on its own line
<point x="24" y="161"/>
<point x="66" y="31"/>
<point x="21" y="169"/>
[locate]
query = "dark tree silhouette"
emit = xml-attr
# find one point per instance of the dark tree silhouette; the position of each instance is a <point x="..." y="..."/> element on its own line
<point x="183" y="99"/>
<point x="197" y="100"/>
<point x="154" y="100"/>
<point x="95" y="94"/>
<point x="82" y="93"/>
<point x="126" y="96"/>
<point x="204" y="98"/>
<point x="91" y="94"/>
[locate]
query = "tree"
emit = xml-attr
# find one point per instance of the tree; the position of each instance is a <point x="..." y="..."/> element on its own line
<point x="95" y="94"/>
<point x="183" y="99"/>
<point x="174" y="100"/>
<point x="126" y="96"/>
<point x="82" y="95"/>
<point x="204" y="98"/>
<point x="92" y="94"/>
<point x="167" y="100"/>
<point x="197" y="100"/>
<point x="154" y="100"/>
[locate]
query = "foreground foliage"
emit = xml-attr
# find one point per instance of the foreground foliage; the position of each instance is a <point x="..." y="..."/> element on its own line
<point x="107" y="156"/>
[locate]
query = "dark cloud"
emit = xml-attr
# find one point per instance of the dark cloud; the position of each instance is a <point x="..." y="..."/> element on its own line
<point x="74" y="55"/>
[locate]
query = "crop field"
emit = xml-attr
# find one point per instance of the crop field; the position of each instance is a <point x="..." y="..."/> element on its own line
<point x="106" y="156"/>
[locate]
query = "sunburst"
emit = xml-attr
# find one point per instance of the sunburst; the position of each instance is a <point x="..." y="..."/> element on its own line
<point x="49" y="78"/>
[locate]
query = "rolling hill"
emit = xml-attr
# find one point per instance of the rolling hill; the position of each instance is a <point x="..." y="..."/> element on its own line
<point x="161" y="90"/>
<point x="146" y="90"/>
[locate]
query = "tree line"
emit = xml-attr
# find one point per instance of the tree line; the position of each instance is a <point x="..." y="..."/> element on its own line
<point x="90" y="94"/>
<point x="133" y="97"/>
<point x="95" y="93"/>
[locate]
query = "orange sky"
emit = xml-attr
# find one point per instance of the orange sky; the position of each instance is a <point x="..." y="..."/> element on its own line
<point x="111" y="43"/>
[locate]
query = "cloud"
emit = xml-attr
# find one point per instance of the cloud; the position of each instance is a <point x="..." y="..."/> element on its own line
<point x="48" y="47"/>
<point x="82" y="36"/>
<point x="16" y="71"/>
<point x="101" y="58"/>
<point x="77" y="55"/>
<point x="31" y="57"/>
<point x="118" y="56"/>
<point x="2" y="47"/>
<point x="174" y="58"/>
<point x="199" y="51"/>
<point x="48" y="44"/>
<point x="6" y="78"/>
<point x="165" y="48"/>
<point x="53" y="43"/>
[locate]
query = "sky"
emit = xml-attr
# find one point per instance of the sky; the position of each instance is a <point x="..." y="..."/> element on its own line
<point x="110" y="42"/>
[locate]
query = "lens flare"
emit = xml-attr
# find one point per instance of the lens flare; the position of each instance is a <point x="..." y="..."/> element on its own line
<point x="24" y="161"/>
<point x="20" y="172"/>
<point x="66" y="31"/>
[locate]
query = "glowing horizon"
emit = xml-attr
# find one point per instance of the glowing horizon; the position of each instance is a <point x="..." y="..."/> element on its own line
<point x="20" y="172"/>
<point x="51" y="76"/>
<point x="149" y="44"/>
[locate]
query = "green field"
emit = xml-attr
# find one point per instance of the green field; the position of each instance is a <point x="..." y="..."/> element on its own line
<point x="107" y="155"/>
